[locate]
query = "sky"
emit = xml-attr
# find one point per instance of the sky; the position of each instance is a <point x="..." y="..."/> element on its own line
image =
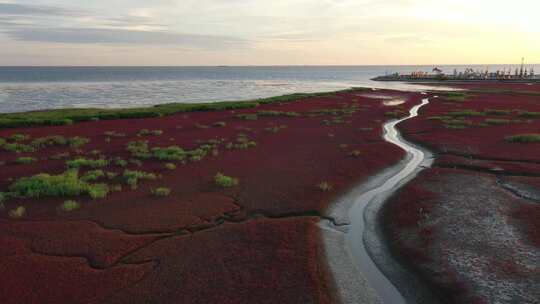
<point x="262" y="32"/>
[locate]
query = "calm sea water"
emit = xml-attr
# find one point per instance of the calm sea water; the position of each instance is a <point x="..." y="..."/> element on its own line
<point x="36" y="88"/>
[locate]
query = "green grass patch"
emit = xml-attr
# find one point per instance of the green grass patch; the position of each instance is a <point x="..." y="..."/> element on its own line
<point x="132" y="177"/>
<point x="62" y="185"/>
<point x="77" y="142"/>
<point x="19" y="137"/>
<point x="98" y="191"/>
<point x="276" y="129"/>
<point x="169" y="153"/>
<point x="496" y="122"/>
<point x="25" y="160"/>
<point x="84" y="162"/>
<point x="225" y="181"/>
<point x="70" y="205"/>
<point x="465" y="113"/>
<point x="527" y="114"/>
<point x="93" y="175"/>
<point x="248" y="116"/>
<point x="17" y="212"/>
<point x="162" y="191"/>
<point x="455" y="96"/>
<point x="18" y="148"/>
<point x="170" y="166"/>
<point x="47" y="141"/>
<point x="146" y="132"/>
<point x="524" y="138"/>
<point x="139" y="149"/>
<point x="497" y="112"/>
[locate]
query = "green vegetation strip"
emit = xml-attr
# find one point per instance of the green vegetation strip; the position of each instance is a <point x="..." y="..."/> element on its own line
<point x="69" y="116"/>
<point x="524" y="138"/>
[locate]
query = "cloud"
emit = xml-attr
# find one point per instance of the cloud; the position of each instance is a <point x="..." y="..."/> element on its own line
<point x="36" y="10"/>
<point x="121" y="36"/>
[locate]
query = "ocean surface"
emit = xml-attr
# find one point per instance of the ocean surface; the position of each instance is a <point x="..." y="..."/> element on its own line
<point x="38" y="88"/>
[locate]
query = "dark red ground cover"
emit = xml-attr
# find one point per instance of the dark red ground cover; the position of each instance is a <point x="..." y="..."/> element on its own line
<point x="477" y="149"/>
<point x="202" y="242"/>
<point x="530" y="87"/>
<point x="479" y="141"/>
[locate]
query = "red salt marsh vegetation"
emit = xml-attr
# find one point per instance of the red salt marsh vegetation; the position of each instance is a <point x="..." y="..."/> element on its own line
<point x="469" y="226"/>
<point x="194" y="207"/>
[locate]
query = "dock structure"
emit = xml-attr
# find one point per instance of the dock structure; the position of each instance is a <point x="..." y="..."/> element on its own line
<point x="521" y="74"/>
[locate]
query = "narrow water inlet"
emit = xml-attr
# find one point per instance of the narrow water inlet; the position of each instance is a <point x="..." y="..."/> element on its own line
<point x="358" y="230"/>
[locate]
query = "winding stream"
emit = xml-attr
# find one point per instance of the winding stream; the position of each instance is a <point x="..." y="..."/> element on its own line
<point x="363" y="237"/>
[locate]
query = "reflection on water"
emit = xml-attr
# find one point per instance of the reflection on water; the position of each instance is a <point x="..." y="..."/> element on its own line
<point x="388" y="100"/>
<point x="393" y="102"/>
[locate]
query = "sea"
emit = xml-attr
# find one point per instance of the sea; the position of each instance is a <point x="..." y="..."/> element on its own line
<point x="40" y="88"/>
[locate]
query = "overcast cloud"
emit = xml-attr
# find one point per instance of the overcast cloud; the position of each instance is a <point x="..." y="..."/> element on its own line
<point x="212" y="32"/>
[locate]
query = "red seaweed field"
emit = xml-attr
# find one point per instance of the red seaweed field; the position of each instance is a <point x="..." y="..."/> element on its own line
<point x="195" y="207"/>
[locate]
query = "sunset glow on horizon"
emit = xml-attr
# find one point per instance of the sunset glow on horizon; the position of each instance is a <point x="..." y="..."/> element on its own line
<point x="281" y="32"/>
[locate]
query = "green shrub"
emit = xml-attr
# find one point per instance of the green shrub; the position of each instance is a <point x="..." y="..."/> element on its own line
<point x="53" y="140"/>
<point x="527" y="114"/>
<point x="19" y="137"/>
<point x="116" y="188"/>
<point x="2" y="197"/>
<point x="18" y="147"/>
<point x="111" y="175"/>
<point x="497" y="112"/>
<point x="77" y="142"/>
<point x="248" y="116"/>
<point x="41" y="185"/>
<point x="120" y="162"/>
<point x="70" y="205"/>
<point x="457" y="124"/>
<point x="93" y="175"/>
<point x="132" y="177"/>
<point x="83" y="162"/>
<point x="146" y="132"/>
<point x="225" y="181"/>
<point x="493" y="121"/>
<point x="169" y="153"/>
<point x="97" y="191"/>
<point x="25" y="160"/>
<point x="2" y="141"/>
<point x="17" y="212"/>
<point x="170" y="166"/>
<point x="139" y="149"/>
<point x="114" y="134"/>
<point x="463" y="113"/>
<point x="276" y="129"/>
<point x="65" y="184"/>
<point x="455" y="96"/>
<point x="524" y="138"/>
<point x="161" y="191"/>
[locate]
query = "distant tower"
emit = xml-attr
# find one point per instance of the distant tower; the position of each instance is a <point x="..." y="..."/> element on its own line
<point x="521" y="69"/>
